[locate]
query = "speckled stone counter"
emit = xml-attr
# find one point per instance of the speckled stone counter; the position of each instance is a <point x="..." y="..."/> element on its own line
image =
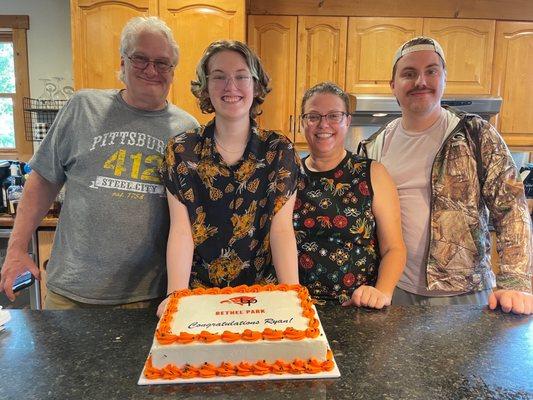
<point x="452" y="352"/>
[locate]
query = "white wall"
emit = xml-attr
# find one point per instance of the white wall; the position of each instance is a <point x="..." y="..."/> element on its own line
<point x="49" y="44"/>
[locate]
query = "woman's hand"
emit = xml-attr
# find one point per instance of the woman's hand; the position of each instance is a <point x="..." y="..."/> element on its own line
<point x="368" y="296"/>
<point x="161" y="307"/>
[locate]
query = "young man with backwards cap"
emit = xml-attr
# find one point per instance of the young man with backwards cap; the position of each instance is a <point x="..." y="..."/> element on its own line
<point x="451" y="169"/>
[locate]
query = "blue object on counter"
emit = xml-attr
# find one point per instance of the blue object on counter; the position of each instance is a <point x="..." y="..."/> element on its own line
<point x="26" y="169"/>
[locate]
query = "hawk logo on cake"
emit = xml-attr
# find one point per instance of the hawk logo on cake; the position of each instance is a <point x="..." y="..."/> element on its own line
<point x="241" y="300"/>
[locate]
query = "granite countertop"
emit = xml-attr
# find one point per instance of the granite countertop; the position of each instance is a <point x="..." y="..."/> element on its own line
<point x="448" y="352"/>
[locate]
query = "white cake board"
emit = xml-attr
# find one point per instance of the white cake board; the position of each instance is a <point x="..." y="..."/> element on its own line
<point x="334" y="373"/>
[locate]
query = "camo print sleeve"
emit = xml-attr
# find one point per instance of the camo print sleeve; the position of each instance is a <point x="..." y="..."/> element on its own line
<point x="503" y="193"/>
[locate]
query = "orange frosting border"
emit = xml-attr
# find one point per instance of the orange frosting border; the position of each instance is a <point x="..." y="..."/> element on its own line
<point x="296" y="367"/>
<point x="164" y="335"/>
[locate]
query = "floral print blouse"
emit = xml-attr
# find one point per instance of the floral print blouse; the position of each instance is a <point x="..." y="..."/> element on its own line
<point x="231" y="207"/>
<point x="336" y="230"/>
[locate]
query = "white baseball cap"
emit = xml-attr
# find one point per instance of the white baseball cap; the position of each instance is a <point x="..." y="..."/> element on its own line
<point x="430" y="44"/>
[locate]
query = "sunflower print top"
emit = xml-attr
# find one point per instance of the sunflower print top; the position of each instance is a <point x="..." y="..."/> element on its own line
<point x="336" y="229"/>
<point x="231" y="207"/>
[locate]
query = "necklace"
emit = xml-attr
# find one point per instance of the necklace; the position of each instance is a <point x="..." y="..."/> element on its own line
<point x="223" y="148"/>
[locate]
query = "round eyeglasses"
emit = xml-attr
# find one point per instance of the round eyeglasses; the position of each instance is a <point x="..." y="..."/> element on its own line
<point x="220" y="81"/>
<point x="313" y="119"/>
<point x="141" y="63"/>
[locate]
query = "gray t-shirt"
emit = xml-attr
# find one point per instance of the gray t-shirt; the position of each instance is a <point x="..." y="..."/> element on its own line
<point x="110" y="242"/>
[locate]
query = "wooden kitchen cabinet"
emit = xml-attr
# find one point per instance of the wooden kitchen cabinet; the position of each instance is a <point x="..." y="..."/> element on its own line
<point x="274" y="40"/>
<point x="45" y="240"/>
<point x="467" y="44"/>
<point x="297" y="52"/>
<point x="512" y="77"/>
<point x="372" y="42"/>
<point x="96" y="26"/>
<point x="195" y="25"/>
<point x="321" y="57"/>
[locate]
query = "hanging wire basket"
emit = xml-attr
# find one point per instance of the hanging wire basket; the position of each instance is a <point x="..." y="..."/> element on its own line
<point x="38" y="116"/>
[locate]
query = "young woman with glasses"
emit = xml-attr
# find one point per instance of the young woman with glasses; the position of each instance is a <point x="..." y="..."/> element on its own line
<point x="347" y="212"/>
<point x="230" y="185"/>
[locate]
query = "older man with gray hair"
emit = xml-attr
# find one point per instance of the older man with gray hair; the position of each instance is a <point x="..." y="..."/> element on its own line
<point x="105" y="147"/>
<point x="451" y="169"/>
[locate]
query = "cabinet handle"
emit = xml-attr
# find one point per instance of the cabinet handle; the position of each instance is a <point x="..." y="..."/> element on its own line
<point x="299" y="123"/>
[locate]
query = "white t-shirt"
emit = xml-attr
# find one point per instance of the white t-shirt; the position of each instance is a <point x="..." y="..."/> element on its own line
<point x="408" y="157"/>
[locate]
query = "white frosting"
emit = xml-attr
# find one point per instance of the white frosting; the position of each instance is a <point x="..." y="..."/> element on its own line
<point x="276" y="310"/>
<point x="217" y="313"/>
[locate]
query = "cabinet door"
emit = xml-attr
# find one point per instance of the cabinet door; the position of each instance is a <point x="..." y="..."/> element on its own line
<point x="195" y="26"/>
<point x="45" y="240"/>
<point x="273" y="38"/>
<point x="513" y="81"/>
<point x="468" y="46"/>
<point x="321" y="56"/>
<point x="372" y="43"/>
<point x="96" y="27"/>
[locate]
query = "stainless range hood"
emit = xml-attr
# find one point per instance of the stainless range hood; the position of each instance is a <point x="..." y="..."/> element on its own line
<point x="371" y="110"/>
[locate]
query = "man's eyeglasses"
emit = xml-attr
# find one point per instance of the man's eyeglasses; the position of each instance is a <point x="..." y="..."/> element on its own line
<point x="219" y="81"/>
<point x="141" y="63"/>
<point x="312" y="119"/>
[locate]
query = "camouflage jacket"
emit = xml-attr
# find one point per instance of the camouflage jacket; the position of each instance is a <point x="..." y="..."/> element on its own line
<point x="459" y="242"/>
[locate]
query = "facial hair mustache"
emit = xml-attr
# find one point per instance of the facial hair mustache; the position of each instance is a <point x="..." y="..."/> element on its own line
<point x="419" y="89"/>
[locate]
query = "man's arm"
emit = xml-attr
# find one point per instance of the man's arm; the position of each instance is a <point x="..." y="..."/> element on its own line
<point x="504" y="195"/>
<point x="37" y="197"/>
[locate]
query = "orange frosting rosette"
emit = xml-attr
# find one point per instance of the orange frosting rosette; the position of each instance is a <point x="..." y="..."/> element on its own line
<point x="261" y="368"/>
<point x="272" y="334"/>
<point x="208" y="337"/>
<point x="294" y="334"/>
<point x="251" y="336"/>
<point x="244" y="369"/>
<point x="230" y="337"/>
<point x="207" y="370"/>
<point x="184" y="338"/>
<point x="226" y="369"/>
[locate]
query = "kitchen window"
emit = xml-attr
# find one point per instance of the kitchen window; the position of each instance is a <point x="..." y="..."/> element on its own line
<point x="7" y="92"/>
<point x="14" y="85"/>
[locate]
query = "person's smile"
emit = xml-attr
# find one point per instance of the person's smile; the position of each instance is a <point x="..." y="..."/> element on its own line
<point x="231" y="99"/>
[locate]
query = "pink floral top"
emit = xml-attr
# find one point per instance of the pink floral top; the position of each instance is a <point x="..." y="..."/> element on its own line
<point x="336" y="229"/>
